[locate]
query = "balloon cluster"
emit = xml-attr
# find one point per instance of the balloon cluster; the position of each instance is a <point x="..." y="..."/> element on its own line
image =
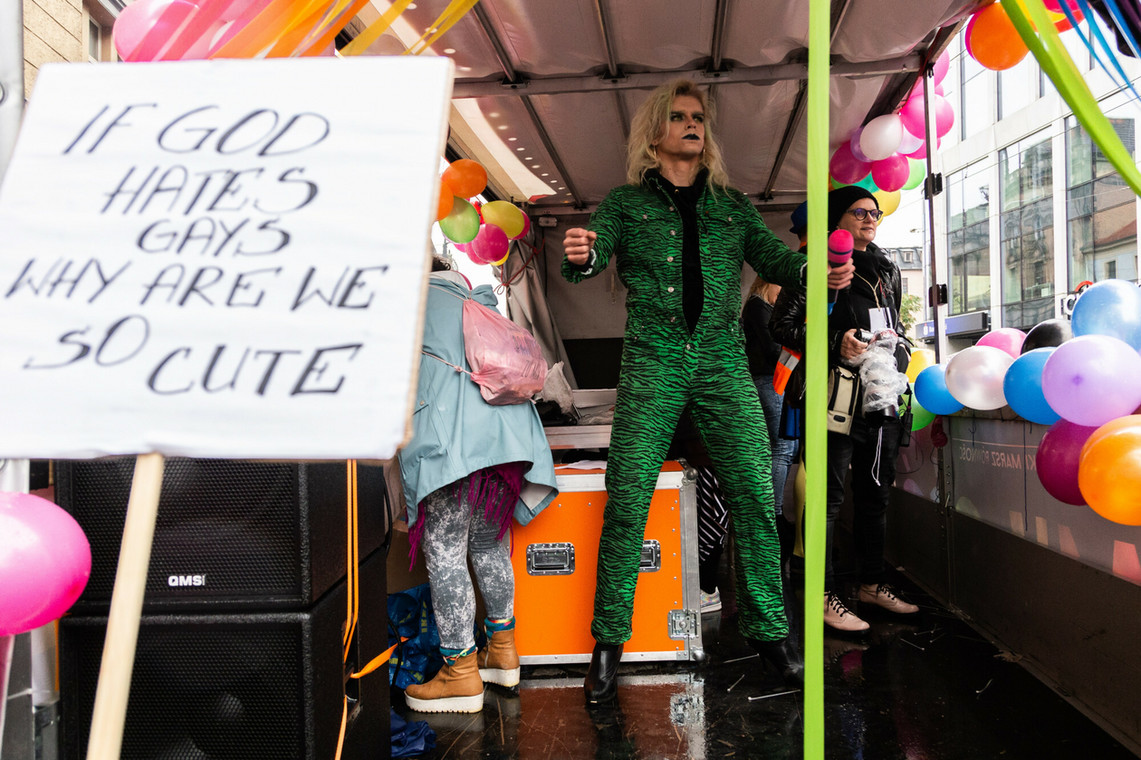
<point x="1078" y="377"/>
<point x="992" y="39"/>
<point x="885" y="155"/>
<point x="484" y="232"/>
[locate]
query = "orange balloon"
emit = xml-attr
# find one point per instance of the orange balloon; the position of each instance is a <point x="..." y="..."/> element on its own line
<point x="466" y="178"/>
<point x="447" y="200"/>
<point x="1109" y="470"/>
<point x="993" y="41"/>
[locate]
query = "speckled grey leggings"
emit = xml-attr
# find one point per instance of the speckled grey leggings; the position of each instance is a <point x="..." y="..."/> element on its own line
<point x="451" y="533"/>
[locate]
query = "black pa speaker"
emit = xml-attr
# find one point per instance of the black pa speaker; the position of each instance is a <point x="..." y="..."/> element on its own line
<point x="230" y="534"/>
<point x="242" y="685"/>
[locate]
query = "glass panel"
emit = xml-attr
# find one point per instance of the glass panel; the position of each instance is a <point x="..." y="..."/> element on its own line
<point x="978" y="281"/>
<point x="1018" y="87"/>
<point x="93" y="40"/>
<point x="969" y="239"/>
<point x="1101" y="210"/>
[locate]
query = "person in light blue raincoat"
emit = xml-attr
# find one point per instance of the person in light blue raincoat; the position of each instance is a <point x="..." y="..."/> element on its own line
<point x="469" y="469"/>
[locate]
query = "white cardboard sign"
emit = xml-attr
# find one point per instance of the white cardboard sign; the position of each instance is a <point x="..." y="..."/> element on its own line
<point x="218" y="258"/>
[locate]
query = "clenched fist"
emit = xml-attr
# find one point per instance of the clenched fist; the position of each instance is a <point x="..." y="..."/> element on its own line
<point x="577" y="245"/>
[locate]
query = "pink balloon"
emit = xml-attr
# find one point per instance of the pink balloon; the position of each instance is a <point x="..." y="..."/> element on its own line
<point x="891" y="173"/>
<point x="942" y="65"/>
<point x="490" y="244"/>
<point x="911" y="115"/>
<point x="944" y="116"/>
<point x="1006" y="338"/>
<point x="45" y="562"/>
<point x="845" y="167"/>
<point x="526" y="228"/>
<point x="1058" y="458"/>
<point x="144" y="28"/>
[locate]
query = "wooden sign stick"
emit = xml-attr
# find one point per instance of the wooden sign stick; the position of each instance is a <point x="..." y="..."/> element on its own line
<point x="126" y="610"/>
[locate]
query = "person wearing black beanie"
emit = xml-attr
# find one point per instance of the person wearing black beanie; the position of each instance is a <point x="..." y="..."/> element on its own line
<point x="870" y="307"/>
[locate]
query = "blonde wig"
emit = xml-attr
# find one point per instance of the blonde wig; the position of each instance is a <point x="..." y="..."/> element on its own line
<point x="650" y="124"/>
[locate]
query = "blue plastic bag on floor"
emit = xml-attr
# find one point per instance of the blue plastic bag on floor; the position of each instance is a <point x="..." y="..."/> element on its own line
<point x="410" y="737"/>
<point x="410" y="616"/>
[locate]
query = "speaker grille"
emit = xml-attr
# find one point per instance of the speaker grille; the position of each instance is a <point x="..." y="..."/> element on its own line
<point x="255" y="535"/>
<point x="242" y="686"/>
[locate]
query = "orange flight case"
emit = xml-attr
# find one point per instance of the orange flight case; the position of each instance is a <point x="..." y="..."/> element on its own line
<point x="555" y="562"/>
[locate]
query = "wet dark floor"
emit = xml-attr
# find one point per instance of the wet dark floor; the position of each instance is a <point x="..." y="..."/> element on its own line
<point x="928" y="688"/>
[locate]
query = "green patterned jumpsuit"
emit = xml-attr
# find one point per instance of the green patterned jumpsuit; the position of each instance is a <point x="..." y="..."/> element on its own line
<point x="665" y="368"/>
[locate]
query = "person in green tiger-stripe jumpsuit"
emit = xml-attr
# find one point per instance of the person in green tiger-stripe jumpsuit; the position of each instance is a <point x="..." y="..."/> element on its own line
<point x="680" y="235"/>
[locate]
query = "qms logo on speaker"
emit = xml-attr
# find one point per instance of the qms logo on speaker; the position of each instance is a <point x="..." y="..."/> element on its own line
<point x="178" y="581"/>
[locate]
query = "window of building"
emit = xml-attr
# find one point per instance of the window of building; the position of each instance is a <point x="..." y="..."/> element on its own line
<point x="1019" y="86"/>
<point x="976" y="107"/>
<point x="968" y="203"/>
<point x="1026" y="221"/>
<point x="99" y="16"/>
<point x="1101" y="215"/>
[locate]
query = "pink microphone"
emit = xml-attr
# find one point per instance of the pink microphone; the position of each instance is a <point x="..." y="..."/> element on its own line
<point x="839" y="253"/>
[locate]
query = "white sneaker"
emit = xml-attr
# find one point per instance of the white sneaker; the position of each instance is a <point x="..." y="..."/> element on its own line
<point x="837" y="616"/>
<point x="711" y="602"/>
<point x="883" y="595"/>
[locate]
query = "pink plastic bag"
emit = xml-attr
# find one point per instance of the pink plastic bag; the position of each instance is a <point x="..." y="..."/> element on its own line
<point x="504" y="358"/>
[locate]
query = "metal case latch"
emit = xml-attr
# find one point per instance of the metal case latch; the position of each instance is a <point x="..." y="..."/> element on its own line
<point x="651" y="561"/>
<point x="550" y="559"/>
<point x="684" y="624"/>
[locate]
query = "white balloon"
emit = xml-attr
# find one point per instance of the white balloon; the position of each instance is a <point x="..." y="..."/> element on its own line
<point x="974" y="377"/>
<point x="881" y="136"/>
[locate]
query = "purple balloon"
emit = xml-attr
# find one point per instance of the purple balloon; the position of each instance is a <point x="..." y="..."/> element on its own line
<point x="1092" y="379"/>
<point x="1058" y="458"/>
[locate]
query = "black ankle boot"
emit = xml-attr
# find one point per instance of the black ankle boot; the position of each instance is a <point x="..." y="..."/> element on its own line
<point x="601" y="683"/>
<point x="783" y="655"/>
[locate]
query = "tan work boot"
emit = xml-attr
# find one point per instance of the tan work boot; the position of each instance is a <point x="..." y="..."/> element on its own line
<point x="498" y="661"/>
<point x="839" y="617"/>
<point x="456" y="688"/>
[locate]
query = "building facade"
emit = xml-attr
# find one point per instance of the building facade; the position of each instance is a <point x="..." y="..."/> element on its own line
<point x="1031" y="209"/>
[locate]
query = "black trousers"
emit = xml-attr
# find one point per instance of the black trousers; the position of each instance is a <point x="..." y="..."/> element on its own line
<point x="870" y="451"/>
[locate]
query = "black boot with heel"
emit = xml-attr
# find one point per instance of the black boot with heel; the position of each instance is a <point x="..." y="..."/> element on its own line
<point x="783" y="656"/>
<point x="601" y="683"/>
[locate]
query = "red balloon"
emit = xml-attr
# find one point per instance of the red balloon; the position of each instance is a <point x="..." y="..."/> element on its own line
<point x="490" y="245"/>
<point x="891" y="173"/>
<point x="845" y="167"/>
<point x="1058" y="458"/>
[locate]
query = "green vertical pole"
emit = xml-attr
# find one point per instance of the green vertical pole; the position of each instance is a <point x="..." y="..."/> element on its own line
<point x="816" y="388"/>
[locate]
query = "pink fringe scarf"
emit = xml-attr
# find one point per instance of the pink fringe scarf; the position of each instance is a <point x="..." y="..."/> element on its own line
<point x="495" y="489"/>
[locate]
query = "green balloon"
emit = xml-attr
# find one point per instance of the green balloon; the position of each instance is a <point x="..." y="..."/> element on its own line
<point x="920" y="417"/>
<point x="867" y="183"/>
<point x="462" y="224"/>
<point x="918" y="172"/>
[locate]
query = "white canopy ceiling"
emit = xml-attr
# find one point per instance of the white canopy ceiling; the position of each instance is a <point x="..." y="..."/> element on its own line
<point x="545" y="89"/>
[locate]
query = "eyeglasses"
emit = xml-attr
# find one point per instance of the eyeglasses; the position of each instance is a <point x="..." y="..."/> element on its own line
<point x="862" y="213"/>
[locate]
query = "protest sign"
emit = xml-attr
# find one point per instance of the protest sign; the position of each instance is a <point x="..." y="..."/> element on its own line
<point x="219" y="258"/>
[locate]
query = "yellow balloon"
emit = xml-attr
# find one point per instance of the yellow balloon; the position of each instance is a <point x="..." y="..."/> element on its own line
<point x="504" y="215"/>
<point x="503" y="260"/>
<point x="888" y="202"/>
<point x="921" y="359"/>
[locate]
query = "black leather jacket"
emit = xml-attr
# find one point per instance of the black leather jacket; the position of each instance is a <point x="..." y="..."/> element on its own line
<point x="851" y="311"/>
